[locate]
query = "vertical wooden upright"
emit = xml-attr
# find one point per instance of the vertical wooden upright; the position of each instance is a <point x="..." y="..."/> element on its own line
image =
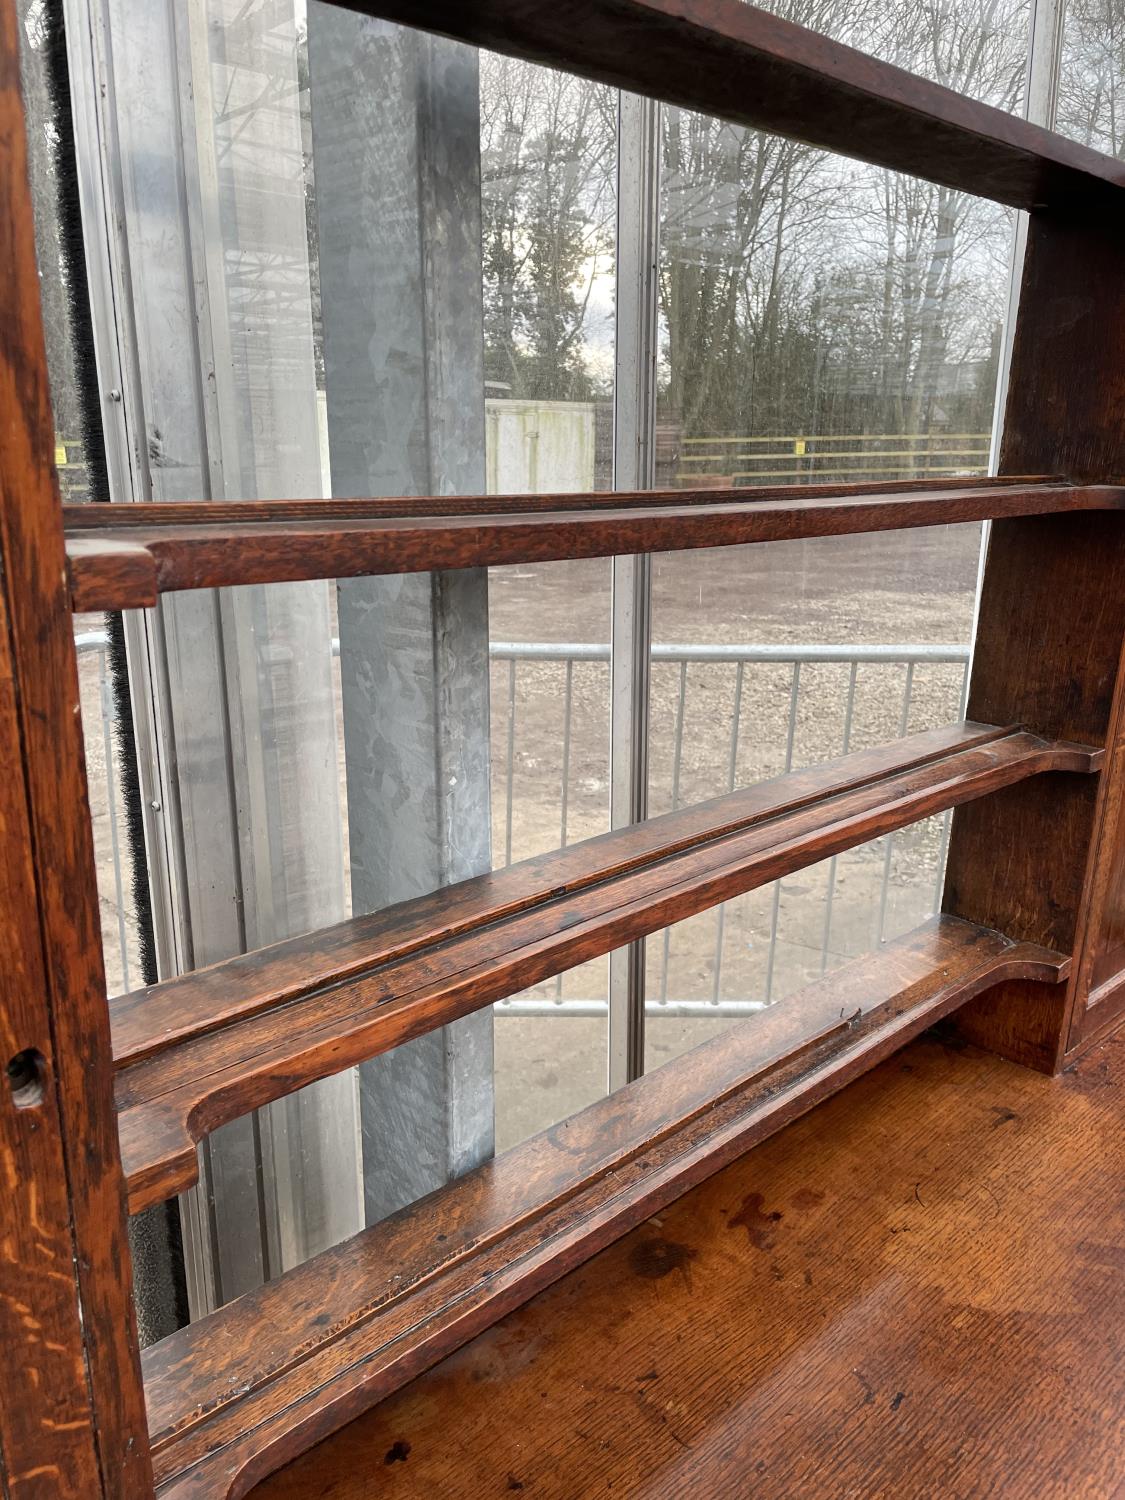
<point x="1098" y="984"/>
<point x="72" y="1422"/>
<point x="1033" y="859"/>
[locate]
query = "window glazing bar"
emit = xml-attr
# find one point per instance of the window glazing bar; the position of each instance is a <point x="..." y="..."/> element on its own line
<point x="634" y="455"/>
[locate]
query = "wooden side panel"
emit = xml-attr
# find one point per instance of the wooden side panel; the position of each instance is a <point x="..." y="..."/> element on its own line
<point x="1051" y="625"/>
<point x="72" y="1420"/>
<point x="1099" y="978"/>
<point x="48" y="1445"/>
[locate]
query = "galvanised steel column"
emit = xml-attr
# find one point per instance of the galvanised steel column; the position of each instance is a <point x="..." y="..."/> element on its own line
<point x="396" y="159"/>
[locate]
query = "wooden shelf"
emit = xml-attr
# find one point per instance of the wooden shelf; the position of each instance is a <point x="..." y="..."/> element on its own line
<point x="233" y="1396"/>
<point x="864" y="1272"/>
<point x="725" y="58"/>
<point x="205" y="1048"/>
<point x="125" y="556"/>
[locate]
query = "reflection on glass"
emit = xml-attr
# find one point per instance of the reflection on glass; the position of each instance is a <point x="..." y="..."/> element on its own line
<point x="1092" y="75"/>
<point x="820" y="320"/>
<point x="978" y="47"/>
<point x="548" y="175"/>
<point x="744" y="702"/>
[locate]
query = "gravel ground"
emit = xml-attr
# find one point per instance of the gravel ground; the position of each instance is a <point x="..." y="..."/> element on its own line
<point x="899" y="587"/>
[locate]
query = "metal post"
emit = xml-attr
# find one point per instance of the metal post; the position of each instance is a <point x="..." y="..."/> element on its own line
<point x="634" y="436"/>
<point x="396" y="134"/>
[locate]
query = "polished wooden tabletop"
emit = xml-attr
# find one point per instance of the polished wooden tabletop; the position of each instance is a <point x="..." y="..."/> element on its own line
<point x="916" y="1291"/>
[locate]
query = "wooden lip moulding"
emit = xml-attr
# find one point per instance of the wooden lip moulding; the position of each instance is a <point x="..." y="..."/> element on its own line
<point x="125" y="556"/>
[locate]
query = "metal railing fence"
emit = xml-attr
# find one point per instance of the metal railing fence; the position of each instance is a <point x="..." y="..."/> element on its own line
<point x="831" y="456"/>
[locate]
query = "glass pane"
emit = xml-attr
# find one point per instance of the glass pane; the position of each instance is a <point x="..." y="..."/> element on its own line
<point x="728" y="965"/>
<point x="978" y="47"/>
<point x="820" y="320"/>
<point x="548" y="169"/>
<point x="1091" y="75"/>
<point x="315" y="316"/>
<point x="550" y="781"/>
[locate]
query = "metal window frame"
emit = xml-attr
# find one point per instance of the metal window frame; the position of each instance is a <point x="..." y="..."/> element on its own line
<point x="101" y="195"/>
<point x="634" y="456"/>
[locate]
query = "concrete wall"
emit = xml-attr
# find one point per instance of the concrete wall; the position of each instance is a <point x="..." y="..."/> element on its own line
<point x="539" y="447"/>
<point x="532" y="447"/>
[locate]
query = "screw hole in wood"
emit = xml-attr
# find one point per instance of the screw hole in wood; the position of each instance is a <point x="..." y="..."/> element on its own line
<point x="27" y="1074"/>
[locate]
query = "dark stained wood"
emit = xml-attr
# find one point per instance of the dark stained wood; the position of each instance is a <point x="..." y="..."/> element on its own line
<point x="72" y="1422"/>
<point x="124" y="570"/>
<point x="38" y="1250"/>
<point x="233" y="1396"/>
<point x="1036" y="857"/>
<point x="1067" y="383"/>
<point x="120" y="565"/>
<point x="1098" y="983"/>
<point x="255" y="1028"/>
<point x="150" y="1020"/>
<point x="913" y="1292"/>
<point x="725" y="58"/>
<point x="1051" y="627"/>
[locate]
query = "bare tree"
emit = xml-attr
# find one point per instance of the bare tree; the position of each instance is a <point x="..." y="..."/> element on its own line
<point x="803" y="292"/>
<point x="548" y="162"/>
<point x="1092" y="74"/>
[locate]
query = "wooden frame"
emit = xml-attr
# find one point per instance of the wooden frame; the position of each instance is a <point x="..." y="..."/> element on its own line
<point x="1028" y="954"/>
<point x="76" y="1427"/>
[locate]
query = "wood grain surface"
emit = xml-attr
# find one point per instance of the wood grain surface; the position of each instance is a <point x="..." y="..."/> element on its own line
<point x="231" y="1397"/>
<point x="912" y="1293"/>
<point x="125" y="557"/>
<point x="72" y="1423"/>
<point x="78" y="519"/>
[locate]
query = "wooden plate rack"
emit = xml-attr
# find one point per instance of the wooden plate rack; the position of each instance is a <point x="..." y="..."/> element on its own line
<point x="105" y="1102"/>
